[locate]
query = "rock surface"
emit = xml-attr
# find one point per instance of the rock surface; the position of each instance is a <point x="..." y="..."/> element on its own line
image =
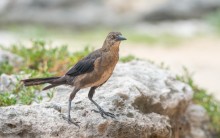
<point x="7" y="82"/>
<point x="11" y="58"/>
<point x="199" y="122"/>
<point x="147" y="101"/>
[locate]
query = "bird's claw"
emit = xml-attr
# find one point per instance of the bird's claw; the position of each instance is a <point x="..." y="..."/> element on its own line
<point x="68" y="119"/>
<point x="75" y="123"/>
<point x="102" y="112"/>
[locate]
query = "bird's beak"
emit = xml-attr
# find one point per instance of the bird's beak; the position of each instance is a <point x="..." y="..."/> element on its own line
<point x="120" y="38"/>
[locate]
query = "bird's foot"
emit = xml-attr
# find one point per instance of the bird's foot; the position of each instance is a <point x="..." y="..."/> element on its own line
<point x="68" y="119"/>
<point x="104" y="113"/>
<point x="75" y="123"/>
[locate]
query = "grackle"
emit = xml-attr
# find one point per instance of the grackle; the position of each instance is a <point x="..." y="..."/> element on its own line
<point x="91" y="71"/>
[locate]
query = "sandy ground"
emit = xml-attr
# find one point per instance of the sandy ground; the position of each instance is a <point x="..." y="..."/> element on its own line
<point x="201" y="56"/>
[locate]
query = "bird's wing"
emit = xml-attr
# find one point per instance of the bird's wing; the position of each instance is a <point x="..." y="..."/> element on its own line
<point x="85" y="65"/>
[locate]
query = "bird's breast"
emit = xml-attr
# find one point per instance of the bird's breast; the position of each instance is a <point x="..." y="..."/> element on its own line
<point x="103" y="69"/>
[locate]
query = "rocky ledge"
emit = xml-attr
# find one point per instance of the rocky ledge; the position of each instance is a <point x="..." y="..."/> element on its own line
<point x="148" y="103"/>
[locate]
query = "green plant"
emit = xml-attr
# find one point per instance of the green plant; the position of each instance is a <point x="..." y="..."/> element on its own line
<point x="7" y="99"/>
<point x="39" y="99"/>
<point x="202" y="97"/>
<point x="19" y="94"/>
<point x="26" y="96"/>
<point x="127" y="58"/>
<point x="41" y="60"/>
<point x="5" y="67"/>
<point x="50" y="95"/>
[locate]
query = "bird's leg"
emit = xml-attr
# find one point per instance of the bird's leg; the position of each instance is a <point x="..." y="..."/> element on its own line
<point x="72" y="95"/>
<point x="101" y="111"/>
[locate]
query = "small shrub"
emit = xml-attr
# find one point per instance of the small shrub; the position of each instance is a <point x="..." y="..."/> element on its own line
<point x="41" y="60"/>
<point x="202" y="97"/>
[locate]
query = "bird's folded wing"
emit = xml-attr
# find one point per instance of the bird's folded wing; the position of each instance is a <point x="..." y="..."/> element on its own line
<point x="83" y="66"/>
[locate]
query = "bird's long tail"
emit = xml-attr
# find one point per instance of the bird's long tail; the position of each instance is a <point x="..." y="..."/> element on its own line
<point x="53" y="81"/>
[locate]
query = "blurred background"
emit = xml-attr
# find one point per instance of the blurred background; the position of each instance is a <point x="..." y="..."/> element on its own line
<point x="175" y="33"/>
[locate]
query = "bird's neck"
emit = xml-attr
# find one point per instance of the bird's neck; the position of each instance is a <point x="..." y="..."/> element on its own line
<point x="110" y="55"/>
<point x="113" y="48"/>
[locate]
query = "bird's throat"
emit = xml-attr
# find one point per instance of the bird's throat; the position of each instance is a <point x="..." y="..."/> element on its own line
<point x="115" y="47"/>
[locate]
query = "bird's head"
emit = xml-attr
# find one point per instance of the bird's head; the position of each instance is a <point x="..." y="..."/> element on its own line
<point x="113" y="39"/>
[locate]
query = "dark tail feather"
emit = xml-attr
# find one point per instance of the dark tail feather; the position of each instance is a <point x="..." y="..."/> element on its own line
<point x="51" y="86"/>
<point x="39" y="81"/>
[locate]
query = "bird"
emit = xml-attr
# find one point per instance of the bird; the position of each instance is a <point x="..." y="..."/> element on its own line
<point x="92" y="72"/>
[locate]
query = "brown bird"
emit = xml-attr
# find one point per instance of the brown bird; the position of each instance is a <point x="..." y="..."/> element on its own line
<point x="91" y="71"/>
